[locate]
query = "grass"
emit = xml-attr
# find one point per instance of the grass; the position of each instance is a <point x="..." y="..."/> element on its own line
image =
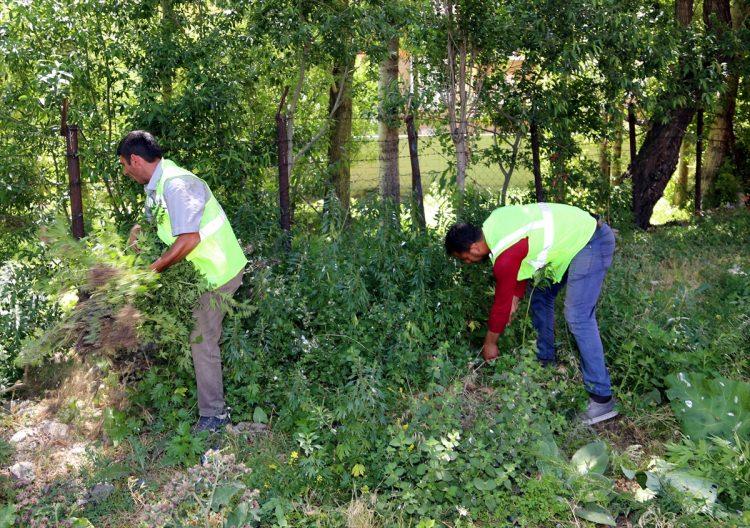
<point x="434" y="161"/>
<point x="676" y="297"/>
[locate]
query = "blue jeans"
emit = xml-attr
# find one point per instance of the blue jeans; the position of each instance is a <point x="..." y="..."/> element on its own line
<point x="584" y="280"/>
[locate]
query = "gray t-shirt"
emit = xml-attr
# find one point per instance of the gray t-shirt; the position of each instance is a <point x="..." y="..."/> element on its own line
<point x="186" y="197"/>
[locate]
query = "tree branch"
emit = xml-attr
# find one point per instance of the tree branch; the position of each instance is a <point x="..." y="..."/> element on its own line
<point x="324" y="127"/>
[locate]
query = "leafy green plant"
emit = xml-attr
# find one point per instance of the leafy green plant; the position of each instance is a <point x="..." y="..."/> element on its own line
<point x="185" y="447"/>
<point x="709" y="407"/>
<point x="721" y="461"/>
<point x="583" y="476"/>
<point x="123" y="305"/>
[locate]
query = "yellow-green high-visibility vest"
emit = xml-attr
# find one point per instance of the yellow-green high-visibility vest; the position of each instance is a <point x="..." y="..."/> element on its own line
<point x="556" y="233"/>
<point x="218" y="256"/>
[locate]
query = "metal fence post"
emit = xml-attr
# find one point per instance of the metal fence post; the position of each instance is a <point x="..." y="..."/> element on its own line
<point x="74" y="173"/>
<point x="283" y="149"/>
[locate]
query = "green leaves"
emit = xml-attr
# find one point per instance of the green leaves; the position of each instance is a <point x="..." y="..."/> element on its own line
<point x="184" y="447"/>
<point x="591" y="458"/>
<point x="358" y="470"/>
<point x="710" y="407"/>
<point x="7" y="515"/>
<point x="260" y="416"/>
<point x="484" y="485"/>
<point x="224" y="493"/>
<point x="694" y="493"/>
<point x="595" y="514"/>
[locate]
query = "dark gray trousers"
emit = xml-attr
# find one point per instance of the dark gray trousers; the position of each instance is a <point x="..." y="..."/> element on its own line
<point x="204" y="342"/>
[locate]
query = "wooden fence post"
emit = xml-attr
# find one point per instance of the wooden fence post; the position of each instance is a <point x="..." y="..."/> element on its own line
<point x="631" y="133"/>
<point x="416" y="175"/>
<point x="74" y="173"/>
<point x="283" y="149"/>
<point x="534" y="130"/>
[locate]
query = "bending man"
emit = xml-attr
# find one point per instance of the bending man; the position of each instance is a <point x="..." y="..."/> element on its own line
<point x="566" y="246"/>
<point x="192" y="223"/>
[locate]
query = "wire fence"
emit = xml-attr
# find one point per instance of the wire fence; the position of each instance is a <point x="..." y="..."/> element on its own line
<point x="437" y="157"/>
<point x="438" y="160"/>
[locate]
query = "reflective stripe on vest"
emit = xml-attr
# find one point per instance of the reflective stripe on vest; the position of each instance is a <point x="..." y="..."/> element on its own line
<point x="212" y="227"/>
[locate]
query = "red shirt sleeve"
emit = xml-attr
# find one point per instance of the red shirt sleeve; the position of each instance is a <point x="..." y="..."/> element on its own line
<point x="507" y="286"/>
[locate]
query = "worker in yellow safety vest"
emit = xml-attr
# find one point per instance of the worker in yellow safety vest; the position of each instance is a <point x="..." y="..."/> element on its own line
<point x="565" y="245"/>
<point x="192" y="223"/>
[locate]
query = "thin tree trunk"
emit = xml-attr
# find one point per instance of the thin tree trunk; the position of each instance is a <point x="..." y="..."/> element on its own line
<point x="616" y="171"/>
<point x="416" y="174"/>
<point x="508" y="171"/>
<point x="559" y="164"/>
<point x="698" y="164"/>
<point x="340" y="133"/>
<point x="679" y="199"/>
<point x="631" y="133"/>
<point x="457" y="109"/>
<point x="74" y="173"/>
<point x="536" y="165"/>
<point x="282" y="137"/>
<point x="388" y="130"/>
<point x="605" y="164"/>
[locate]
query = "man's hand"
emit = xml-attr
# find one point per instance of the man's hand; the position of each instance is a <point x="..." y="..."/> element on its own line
<point x="490" y="350"/>
<point x="133" y="238"/>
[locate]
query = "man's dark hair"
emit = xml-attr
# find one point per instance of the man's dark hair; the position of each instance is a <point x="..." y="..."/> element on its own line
<point x="460" y="237"/>
<point x="141" y="143"/>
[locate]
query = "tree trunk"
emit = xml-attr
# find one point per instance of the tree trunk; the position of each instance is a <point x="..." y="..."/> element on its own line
<point x="698" y="163"/>
<point x="605" y="165"/>
<point x="74" y="176"/>
<point x="679" y="199"/>
<point x="631" y="134"/>
<point x="536" y="166"/>
<point x="616" y="171"/>
<point x="282" y="137"/>
<point x="656" y="161"/>
<point x="721" y="133"/>
<point x="457" y="109"/>
<point x="559" y="164"/>
<point x="416" y="174"/>
<point x="684" y="12"/>
<point x="388" y="131"/>
<point x="507" y="170"/>
<point x="340" y="133"/>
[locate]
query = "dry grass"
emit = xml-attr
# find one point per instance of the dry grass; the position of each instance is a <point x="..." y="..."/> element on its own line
<point x="360" y="513"/>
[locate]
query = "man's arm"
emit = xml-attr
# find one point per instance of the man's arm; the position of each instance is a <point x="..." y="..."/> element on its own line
<point x="180" y="249"/>
<point x="508" y="291"/>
